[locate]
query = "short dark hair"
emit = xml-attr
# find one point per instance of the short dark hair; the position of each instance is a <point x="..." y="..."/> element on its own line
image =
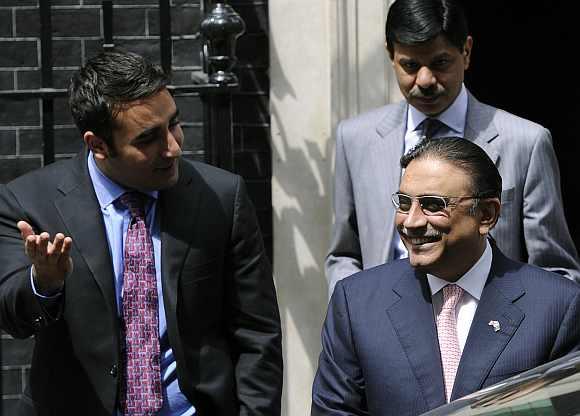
<point x="107" y="81"/>
<point x="412" y="22"/>
<point x="464" y="154"/>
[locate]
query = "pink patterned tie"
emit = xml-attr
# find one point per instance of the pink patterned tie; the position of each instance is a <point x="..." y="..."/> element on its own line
<point x="141" y="394"/>
<point x="447" y="334"/>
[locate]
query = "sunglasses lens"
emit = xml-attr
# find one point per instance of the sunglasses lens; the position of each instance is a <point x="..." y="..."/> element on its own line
<point x="432" y="204"/>
<point x="403" y="202"/>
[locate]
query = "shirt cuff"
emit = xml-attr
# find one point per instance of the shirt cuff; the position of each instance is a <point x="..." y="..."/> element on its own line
<point x="37" y="293"/>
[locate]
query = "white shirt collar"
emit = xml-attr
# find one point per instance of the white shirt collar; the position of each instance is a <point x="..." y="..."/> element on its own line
<point x="454" y="117"/>
<point x="473" y="281"/>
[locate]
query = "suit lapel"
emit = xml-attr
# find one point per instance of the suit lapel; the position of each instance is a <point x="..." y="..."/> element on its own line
<point x="479" y="127"/>
<point x="484" y="345"/>
<point x="81" y="214"/>
<point x="178" y="214"/>
<point x="384" y="155"/>
<point x="414" y="322"/>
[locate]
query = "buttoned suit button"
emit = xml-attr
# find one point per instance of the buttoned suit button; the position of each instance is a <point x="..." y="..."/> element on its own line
<point x="113" y="371"/>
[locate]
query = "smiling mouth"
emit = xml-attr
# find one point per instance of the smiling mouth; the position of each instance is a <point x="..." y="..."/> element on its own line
<point x="417" y="241"/>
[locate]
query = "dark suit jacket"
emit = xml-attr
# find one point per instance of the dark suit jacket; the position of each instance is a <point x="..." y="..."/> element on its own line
<point x="380" y="351"/>
<point x="222" y="315"/>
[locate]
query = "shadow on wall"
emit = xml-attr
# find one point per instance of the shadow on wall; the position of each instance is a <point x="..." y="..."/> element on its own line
<point x="301" y="235"/>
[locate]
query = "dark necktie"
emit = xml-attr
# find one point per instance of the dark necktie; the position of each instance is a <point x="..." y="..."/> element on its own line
<point x="430" y="127"/>
<point x="141" y="394"/>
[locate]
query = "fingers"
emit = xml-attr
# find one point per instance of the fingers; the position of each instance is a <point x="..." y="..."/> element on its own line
<point x="25" y="229"/>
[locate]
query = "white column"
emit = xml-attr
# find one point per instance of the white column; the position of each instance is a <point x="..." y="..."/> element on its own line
<point x="328" y="62"/>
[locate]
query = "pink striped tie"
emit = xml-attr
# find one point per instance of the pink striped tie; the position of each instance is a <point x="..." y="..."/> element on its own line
<point x="447" y="334"/>
<point x="141" y="393"/>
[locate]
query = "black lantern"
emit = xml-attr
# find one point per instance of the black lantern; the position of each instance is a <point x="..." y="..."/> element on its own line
<point x="220" y="29"/>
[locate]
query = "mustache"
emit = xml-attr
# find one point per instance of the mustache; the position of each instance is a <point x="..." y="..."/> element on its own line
<point x="432" y="92"/>
<point x="429" y="233"/>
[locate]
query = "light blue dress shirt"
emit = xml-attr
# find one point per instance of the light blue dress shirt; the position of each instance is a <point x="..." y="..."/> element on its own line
<point x="117" y="219"/>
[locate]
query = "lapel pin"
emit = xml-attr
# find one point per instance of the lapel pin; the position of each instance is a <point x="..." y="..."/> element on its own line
<point x="495" y="325"/>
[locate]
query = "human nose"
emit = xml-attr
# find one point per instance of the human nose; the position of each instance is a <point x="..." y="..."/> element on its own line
<point x="415" y="217"/>
<point x="174" y="142"/>
<point x="425" y="78"/>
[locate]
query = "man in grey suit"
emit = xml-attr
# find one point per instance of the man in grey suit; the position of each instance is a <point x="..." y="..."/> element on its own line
<point x="430" y="48"/>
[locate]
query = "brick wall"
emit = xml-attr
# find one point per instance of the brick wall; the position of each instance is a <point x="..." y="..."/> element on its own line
<point x="77" y="34"/>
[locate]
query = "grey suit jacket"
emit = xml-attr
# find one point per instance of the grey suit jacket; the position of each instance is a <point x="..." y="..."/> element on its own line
<point x="531" y="228"/>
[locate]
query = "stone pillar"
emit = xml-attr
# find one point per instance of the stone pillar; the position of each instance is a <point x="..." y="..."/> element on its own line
<point x="328" y="62"/>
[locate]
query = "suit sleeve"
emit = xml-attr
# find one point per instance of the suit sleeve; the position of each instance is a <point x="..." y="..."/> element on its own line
<point x="339" y="387"/>
<point x="568" y="337"/>
<point x="344" y="257"/>
<point x="254" y="321"/>
<point x="547" y="238"/>
<point x="22" y="314"/>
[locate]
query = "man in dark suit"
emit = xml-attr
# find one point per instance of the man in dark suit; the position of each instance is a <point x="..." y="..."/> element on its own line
<point x="142" y="276"/>
<point x="457" y="315"/>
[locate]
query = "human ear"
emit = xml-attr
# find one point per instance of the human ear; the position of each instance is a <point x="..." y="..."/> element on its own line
<point x="467" y="52"/>
<point x="97" y="145"/>
<point x="489" y="209"/>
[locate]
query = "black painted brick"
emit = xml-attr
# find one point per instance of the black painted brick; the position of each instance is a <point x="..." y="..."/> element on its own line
<point x="19" y="113"/>
<point x="255" y="17"/>
<point x="6" y="23"/>
<point x="62" y="111"/>
<point x="28" y="80"/>
<point x="124" y="2"/>
<point x="17" y="351"/>
<point x="186" y="52"/>
<point x="7" y="142"/>
<point x="10" y="169"/>
<point x="145" y="47"/>
<point x="65" y="22"/>
<point x="76" y="22"/>
<point x="9" y="407"/>
<point x="184" y="20"/>
<point x="6" y="80"/>
<point x="185" y="2"/>
<point x="18" y="53"/>
<point x="65" y="2"/>
<point x="251" y="109"/>
<point x="9" y="3"/>
<point x="128" y="22"/>
<point x="253" y="49"/>
<point x="12" y="381"/>
<point x="66" y="140"/>
<point x="66" y="53"/>
<point x="190" y="109"/>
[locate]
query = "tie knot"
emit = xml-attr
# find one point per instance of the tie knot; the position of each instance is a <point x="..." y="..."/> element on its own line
<point x="430" y="127"/>
<point x="451" y="295"/>
<point x="134" y="202"/>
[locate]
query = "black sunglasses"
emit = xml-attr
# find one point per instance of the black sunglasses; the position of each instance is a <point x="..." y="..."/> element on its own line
<point x="430" y="204"/>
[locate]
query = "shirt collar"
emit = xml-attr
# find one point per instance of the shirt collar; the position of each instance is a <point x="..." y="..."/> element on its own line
<point x="454" y="117"/>
<point x="107" y="190"/>
<point x="473" y="281"/>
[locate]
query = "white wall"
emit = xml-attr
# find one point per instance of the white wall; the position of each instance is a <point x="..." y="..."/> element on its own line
<point x="328" y="62"/>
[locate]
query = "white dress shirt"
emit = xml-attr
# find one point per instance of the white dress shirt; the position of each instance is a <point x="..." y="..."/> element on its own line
<point x="472" y="284"/>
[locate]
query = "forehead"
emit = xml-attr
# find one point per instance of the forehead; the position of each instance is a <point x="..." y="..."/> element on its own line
<point x="146" y="112"/>
<point x="426" y="50"/>
<point x="434" y="176"/>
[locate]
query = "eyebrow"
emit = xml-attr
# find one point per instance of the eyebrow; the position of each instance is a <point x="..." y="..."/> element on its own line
<point x="148" y="132"/>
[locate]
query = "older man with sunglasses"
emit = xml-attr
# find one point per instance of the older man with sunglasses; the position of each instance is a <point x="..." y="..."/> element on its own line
<point x="457" y="315"/>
